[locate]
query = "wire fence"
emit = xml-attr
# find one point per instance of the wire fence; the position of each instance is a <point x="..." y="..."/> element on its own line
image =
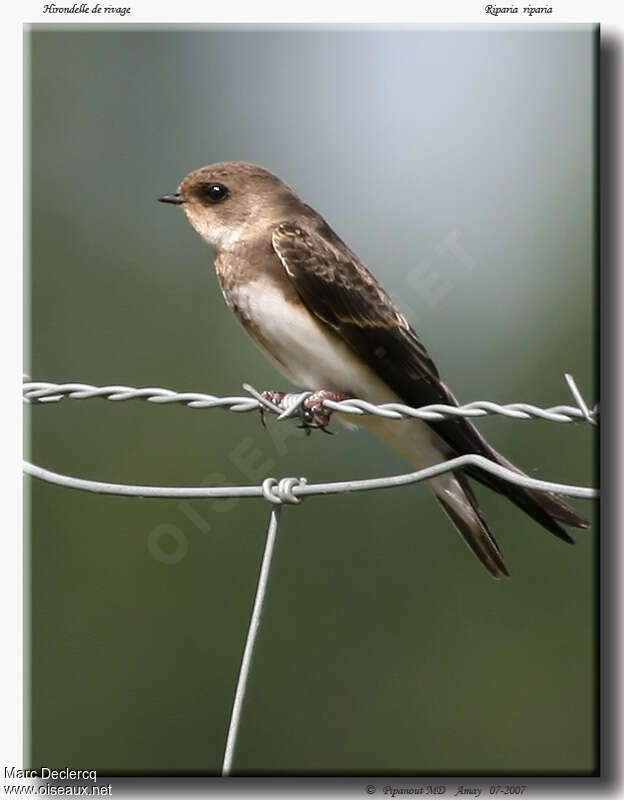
<point x="290" y="404"/>
<point x="291" y="490"/>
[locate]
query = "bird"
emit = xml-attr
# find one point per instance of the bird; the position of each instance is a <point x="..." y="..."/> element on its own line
<point x="322" y="318"/>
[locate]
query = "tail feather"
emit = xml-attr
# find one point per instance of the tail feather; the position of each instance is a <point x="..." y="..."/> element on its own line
<point x="458" y="501"/>
<point x="557" y="509"/>
<point x="546" y="508"/>
<point x="420" y="445"/>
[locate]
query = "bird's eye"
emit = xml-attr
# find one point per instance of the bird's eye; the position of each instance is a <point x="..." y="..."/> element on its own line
<point x="215" y="192"/>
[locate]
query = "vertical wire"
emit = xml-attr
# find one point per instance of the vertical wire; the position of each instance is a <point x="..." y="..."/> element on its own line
<point x="252" y="634"/>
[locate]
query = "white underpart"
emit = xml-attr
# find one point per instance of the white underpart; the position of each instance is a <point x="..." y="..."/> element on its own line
<point x="304" y="349"/>
<point x="312" y="357"/>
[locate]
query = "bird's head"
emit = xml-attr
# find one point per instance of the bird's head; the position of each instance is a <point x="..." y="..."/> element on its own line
<point x="222" y="200"/>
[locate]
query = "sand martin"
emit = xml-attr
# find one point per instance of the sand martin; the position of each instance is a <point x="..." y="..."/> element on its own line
<point x="324" y="321"/>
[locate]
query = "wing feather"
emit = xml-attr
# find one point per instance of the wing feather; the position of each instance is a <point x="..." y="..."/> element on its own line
<point x="339" y="290"/>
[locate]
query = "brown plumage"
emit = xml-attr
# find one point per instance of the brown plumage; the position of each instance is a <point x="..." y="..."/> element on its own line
<point x="321" y="316"/>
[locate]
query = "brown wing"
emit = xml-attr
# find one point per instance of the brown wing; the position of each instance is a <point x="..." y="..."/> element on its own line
<point x="338" y="289"/>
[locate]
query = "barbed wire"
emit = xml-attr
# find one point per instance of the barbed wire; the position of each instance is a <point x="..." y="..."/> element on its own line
<point x="291" y="403"/>
<point x="291" y="490"/>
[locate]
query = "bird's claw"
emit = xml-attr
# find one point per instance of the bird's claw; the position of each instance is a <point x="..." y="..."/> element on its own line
<point x="273" y="397"/>
<point x="312" y="411"/>
<point x="315" y="414"/>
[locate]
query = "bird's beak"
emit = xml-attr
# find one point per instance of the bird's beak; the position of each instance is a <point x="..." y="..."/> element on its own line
<point x="177" y="199"/>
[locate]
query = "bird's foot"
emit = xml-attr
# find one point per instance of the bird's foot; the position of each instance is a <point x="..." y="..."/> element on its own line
<point x="313" y="410"/>
<point x="273" y="397"/>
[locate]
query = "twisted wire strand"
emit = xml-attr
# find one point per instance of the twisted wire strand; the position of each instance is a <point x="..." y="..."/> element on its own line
<point x="292" y="490"/>
<point x="290" y="405"/>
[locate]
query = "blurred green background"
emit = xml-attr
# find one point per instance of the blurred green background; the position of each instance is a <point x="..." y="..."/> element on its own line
<point x="459" y="164"/>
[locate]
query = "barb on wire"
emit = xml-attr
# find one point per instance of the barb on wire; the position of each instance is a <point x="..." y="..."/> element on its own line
<point x="292" y="490"/>
<point x="290" y="404"/>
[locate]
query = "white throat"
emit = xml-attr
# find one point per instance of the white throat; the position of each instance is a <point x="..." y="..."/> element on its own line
<point x="220" y="236"/>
